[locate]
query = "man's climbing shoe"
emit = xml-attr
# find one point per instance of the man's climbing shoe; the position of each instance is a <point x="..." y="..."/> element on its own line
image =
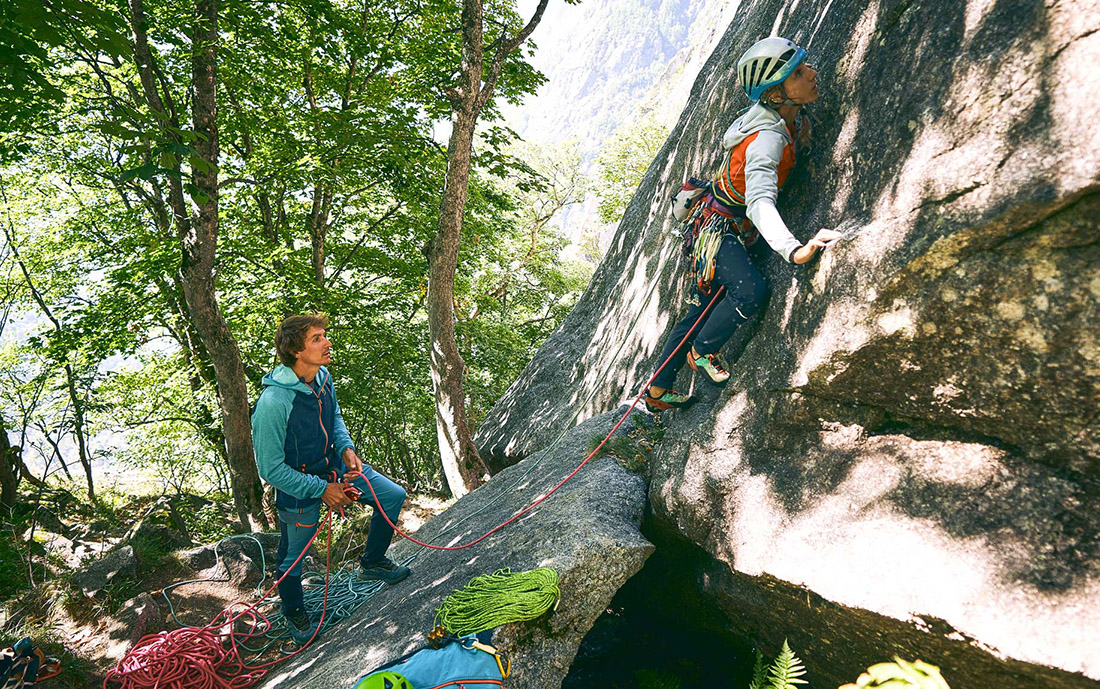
<point x="386" y="571"/>
<point x="669" y="400"/>
<point x="300" y="626"/>
<point x="711" y="364"/>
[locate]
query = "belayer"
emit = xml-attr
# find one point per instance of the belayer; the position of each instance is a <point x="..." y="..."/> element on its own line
<point x="761" y="147"/>
<point x="304" y="450"/>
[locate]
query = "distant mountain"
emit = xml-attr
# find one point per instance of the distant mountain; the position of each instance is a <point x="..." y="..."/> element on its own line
<point x="608" y="61"/>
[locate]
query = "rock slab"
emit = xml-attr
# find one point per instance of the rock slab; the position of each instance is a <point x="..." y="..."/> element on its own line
<point x="116" y="566"/>
<point x="588" y="531"/>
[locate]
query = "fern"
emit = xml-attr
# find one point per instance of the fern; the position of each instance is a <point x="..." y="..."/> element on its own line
<point x="786" y="670"/>
<point x="654" y="679"/>
<point x="759" y="672"/>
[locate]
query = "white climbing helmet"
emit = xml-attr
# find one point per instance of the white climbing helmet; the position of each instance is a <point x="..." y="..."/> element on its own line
<point x="767" y="63"/>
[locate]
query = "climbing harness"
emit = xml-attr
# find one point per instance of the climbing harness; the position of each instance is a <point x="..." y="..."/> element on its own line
<point x="492" y="600"/>
<point x="703" y="262"/>
<point x="702" y="230"/>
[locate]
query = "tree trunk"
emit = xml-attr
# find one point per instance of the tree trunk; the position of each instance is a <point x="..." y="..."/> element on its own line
<point x="318" y="231"/>
<point x="78" y="430"/>
<point x="70" y="375"/>
<point x="462" y="467"/>
<point x="199" y="241"/>
<point x="9" y="472"/>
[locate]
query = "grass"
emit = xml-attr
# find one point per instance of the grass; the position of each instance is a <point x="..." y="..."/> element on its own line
<point x="13" y="568"/>
<point x="632" y="450"/>
<point x="208" y="523"/>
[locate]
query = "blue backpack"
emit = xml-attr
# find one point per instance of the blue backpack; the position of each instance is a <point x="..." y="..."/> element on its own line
<point x="22" y="665"/>
<point x="469" y="662"/>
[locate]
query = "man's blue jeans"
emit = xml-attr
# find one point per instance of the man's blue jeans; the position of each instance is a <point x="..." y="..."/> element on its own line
<point x="298" y="527"/>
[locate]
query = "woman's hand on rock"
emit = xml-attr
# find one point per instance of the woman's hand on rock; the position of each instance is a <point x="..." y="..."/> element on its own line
<point x="822" y="239"/>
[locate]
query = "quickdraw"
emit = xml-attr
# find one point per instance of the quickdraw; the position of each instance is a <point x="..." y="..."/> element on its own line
<point x="504" y="663"/>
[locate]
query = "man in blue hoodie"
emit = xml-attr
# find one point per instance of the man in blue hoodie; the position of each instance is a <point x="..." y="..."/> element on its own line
<point x="303" y="450"/>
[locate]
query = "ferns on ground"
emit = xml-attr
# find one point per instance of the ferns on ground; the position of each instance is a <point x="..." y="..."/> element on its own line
<point x="759" y="672"/>
<point x="784" y="672"/>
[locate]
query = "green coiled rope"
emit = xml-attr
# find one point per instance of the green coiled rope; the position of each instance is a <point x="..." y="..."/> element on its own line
<point x="491" y="600"/>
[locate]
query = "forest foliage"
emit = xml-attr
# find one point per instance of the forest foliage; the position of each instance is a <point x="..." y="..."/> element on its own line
<point x="329" y="182"/>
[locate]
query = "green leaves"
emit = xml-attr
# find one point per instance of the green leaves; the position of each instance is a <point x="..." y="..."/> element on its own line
<point x="900" y="674"/>
<point x="759" y="672"/>
<point x="144" y="172"/>
<point x="785" y="672"/>
<point x="624" y="161"/>
<point x="326" y="117"/>
<point x="31" y="36"/>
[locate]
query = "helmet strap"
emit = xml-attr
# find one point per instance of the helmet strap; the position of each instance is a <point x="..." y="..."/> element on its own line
<point x="786" y="99"/>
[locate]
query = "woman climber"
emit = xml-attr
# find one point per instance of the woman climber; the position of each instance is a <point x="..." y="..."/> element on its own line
<point x="740" y="202"/>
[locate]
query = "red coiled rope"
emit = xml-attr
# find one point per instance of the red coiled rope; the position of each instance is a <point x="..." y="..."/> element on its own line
<point x="197" y="657"/>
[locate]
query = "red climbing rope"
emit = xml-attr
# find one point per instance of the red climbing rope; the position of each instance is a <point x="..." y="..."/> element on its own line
<point x="553" y="490"/>
<point x="197" y="658"/>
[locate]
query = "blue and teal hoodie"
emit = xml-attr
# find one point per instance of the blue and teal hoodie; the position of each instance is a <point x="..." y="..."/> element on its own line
<point x="299" y="436"/>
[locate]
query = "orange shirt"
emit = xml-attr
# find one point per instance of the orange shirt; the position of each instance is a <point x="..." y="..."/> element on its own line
<point x="730" y="183"/>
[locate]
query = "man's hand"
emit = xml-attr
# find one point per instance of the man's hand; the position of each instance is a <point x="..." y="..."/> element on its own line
<point x="334" y="495"/>
<point x="820" y="240"/>
<point x="352" y="462"/>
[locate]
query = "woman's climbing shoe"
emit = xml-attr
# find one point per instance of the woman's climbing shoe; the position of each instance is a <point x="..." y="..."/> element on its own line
<point x="669" y="400"/>
<point x="711" y="364"/>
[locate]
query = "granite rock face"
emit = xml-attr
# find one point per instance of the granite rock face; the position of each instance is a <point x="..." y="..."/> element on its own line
<point x="138" y="617"/>
<point x="910" y="434"/>
<point x="588" y="531"/>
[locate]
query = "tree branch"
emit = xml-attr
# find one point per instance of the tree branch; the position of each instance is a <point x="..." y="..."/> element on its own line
<point x="363" y="238"/>
<point x="506" y="47"/>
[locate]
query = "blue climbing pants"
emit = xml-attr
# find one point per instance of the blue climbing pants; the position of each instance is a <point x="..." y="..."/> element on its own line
<point x="298" y="527"/>
<point x="745" y="294"/>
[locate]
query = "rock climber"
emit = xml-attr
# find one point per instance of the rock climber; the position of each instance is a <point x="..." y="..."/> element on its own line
<point x="304" y="451"/>
<point x="761" y="146"/>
